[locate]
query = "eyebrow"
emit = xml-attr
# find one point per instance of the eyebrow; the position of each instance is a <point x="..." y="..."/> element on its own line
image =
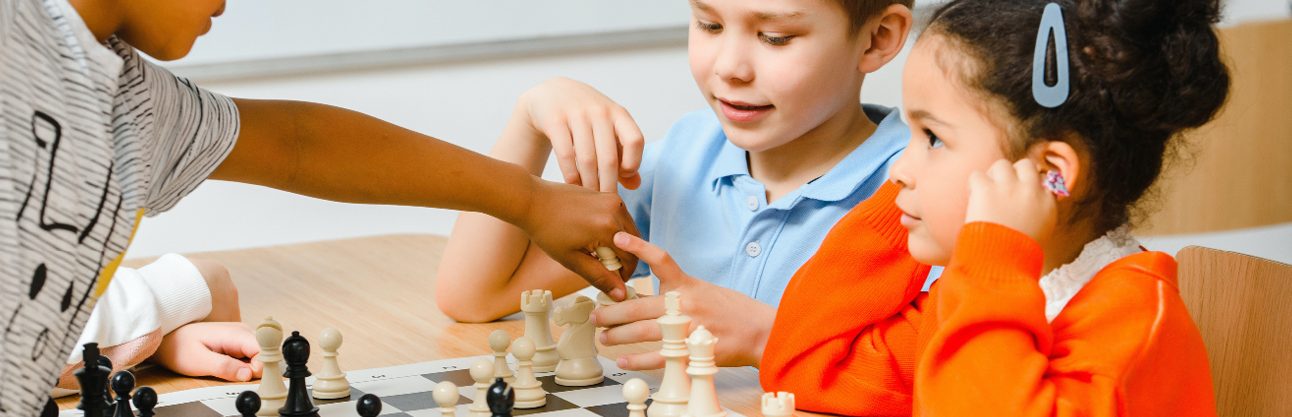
<point x="700" y="5"/>
<point x="926" y="116"/>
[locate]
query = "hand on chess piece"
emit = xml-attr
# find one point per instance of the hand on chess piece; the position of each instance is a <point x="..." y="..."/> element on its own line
<point x="568" y="223"/>
<point x="221" y="350"/>
<point x="742" y="323"/>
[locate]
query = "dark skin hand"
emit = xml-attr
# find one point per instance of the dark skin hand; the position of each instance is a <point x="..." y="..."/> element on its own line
<point x="341" y="155"/>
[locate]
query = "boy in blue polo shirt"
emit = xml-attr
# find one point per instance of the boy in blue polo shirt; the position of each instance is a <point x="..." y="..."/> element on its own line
<point x="740" y="195"/>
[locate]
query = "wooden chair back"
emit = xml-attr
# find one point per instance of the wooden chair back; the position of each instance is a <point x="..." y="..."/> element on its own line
<point x="1243" y="307"/>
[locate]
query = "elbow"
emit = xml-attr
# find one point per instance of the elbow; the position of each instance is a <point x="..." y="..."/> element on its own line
<point x="460" y="306"/>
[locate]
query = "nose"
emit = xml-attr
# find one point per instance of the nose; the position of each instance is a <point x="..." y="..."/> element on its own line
<point x="732" y="63"/>
<point x="900" y="173"/>
<point x="220" y="11"/>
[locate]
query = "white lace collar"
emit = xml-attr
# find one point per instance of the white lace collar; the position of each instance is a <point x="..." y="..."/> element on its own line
<point x="1061" y="284"/>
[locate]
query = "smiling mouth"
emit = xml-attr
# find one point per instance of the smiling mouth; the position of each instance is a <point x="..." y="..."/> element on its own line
<point x="745" y="107"/>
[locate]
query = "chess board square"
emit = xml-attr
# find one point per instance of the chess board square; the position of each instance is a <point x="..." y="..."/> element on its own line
<point x="554" y="403"/>
<point x="550" y="385"/>
<point x="355" y="393"/>
<point x="396" y="386"/>
<point x="594" y="396"/>
<point x="417" y="401"/>
<point x="613" y="410"/>
<point x="346" y="409"/>
<point x="460" y="377"/>
<point x="186" y="410"/>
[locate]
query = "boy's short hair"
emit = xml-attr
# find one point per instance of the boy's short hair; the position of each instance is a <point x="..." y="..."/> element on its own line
<point x="859" y="11"/>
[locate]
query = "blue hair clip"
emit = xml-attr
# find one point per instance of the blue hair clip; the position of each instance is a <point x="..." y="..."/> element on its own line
<point x="1051" y="21"/>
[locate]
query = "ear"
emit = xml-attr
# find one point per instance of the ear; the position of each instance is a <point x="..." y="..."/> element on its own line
<point x="1059" y="156"/>
<point x="887" y="31"/>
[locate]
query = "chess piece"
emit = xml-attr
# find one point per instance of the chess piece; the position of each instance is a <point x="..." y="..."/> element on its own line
<point x="579" y="366"/>
<point x="368" y="406"/>
<point x="482" y="373"/>
<point x="501" y="398"/>
<point x="331" y="383"/>
<point x="778" y="404"/>
<point x="704" y="396"/>
<point x="248" y="403"/>
<point x="446" y="396"/>
<point x="145" y="399"/>
<point x="529" y="392"/>
<point x="272" y="390"/>
<point x="106" y="362"/>
<point x="93" y="379"/>
<point x="604" y="300"/>
<point x="499" y="340"/>
<point x="537" y="305"/>
<point x="636" y="391"/>
<point x="608" y="258"/>
<point x="675" y="389"/>
<point x="122" y="383"/>
<point x="51" y="408"/>
<point x="296" y="352"/>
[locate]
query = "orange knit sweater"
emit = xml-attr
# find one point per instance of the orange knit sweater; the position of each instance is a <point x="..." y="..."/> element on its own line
<point x="854" y="336"/>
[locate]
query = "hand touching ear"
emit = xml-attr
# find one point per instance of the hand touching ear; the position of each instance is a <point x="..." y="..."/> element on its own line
<point x="1012" y="195"/>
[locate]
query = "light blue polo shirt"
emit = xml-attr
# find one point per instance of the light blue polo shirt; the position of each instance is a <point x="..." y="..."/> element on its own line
<point x="698" y="202"/>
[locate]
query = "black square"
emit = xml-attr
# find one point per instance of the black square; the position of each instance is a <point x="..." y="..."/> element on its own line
<point x="193" y="409"/>
<point x="460" y="377"/>
<point x="614" y="410"/>
<point x="554" y="403"/>
<point x="354" y="396"/>
<point x="550" y="385"/>
<point x="417" y="401"/>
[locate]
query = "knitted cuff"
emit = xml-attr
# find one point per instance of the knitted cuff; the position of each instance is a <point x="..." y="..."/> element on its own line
<point x="180" y="291"/>
<point x="993" y="254"/>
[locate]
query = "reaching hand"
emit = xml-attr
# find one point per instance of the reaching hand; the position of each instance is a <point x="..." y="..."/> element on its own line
<point x="569" y="223"/>
<point x="597" y="143"/>
<point x="741" y="323"/>
<point x="221" y="350"/>
<point x="1012" y="196"/>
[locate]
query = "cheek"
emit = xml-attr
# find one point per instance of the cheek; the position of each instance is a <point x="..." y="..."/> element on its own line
<point x="946" y="197"/>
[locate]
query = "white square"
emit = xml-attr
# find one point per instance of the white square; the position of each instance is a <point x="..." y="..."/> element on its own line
<point x="396" y="386"/>
<point x="592" y="397"/>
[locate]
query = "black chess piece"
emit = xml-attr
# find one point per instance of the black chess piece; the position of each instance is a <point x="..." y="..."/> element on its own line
<point x="500" y="398"/>
<point x="93" y="379"/>
<point x="51" y="409"/>
<point x="296" y="352"/>
<point x="368" y="406"/>
<point x="248" y="403"/>
<point x="145" y="399"/>
<point x="122" y="383"/>
<point x="106" y="362"/>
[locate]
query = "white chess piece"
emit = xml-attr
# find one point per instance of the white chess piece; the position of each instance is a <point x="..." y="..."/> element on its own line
<point x="604" y="300"/>
<point x="608" y="258"/>
<point x="636" y="391"/>
<point x="482" y="373"/>
<point x="537" y="305"/>
<point x="704" y="396"/>
<point x="675" y="389"/>
<point x="331" y="383"/>
<point x="499" y="340"/>
<point x="529" y="392"/>
<point x="446" y="396"/>
<point x="272" y="391"/>
<point x="778" y="404"/>
<point x="579" y="366"/>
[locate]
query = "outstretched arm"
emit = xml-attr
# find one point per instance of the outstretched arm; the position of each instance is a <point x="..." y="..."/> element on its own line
<point x="337" y="154"/>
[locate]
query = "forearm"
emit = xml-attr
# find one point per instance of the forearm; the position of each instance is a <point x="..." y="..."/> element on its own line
<point x="342" y="155"/>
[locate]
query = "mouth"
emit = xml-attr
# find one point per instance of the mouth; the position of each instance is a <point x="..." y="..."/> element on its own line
<point x="909" y="221"/>
<point x="744" y="112"/>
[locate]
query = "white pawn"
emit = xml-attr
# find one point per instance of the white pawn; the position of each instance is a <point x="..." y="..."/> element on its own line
<point x="636" y="391"/>
<point x="604" y="300"/>
<point x="529" y="392"/>
<point x="331" y="383"/>
<point x="446" y="395"/>
<point x="608" y="258"/>
<point x="499" y="340"/>
<point x="482" y="373"/>
<point x="704" y="395"/>
<point x="537" y="305"/>
<point x="272" y="391"/>
<point x="778" y="404"/>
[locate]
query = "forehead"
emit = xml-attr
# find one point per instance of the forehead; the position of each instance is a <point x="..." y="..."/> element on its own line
<point x="769" y="9"/>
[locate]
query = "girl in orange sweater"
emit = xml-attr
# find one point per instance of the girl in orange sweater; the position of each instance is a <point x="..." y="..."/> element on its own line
<point x="1047" y="305"/>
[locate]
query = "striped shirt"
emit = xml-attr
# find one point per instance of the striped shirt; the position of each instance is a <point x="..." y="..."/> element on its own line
<point x="92" y="137"/>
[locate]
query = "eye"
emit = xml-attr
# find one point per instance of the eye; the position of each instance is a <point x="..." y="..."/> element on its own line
<point x="775" y="40"/>
<point x="934" y="142"/>
<point x="708" y="26"/>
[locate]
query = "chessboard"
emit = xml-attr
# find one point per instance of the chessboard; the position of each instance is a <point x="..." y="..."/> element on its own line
<point x="405" y="391"/>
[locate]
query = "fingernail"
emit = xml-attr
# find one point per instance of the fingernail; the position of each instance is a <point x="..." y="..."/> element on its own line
<point x="617" y="294"/>
<point x="621" y="239"/>
<point x="603" y="338"/>
<point x="244" y="374"/>
<point x="592" y="318"/>
<point x="622" y="362"/>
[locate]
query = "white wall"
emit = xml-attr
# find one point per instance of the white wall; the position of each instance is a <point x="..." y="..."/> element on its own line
<point x="465" y="103"/>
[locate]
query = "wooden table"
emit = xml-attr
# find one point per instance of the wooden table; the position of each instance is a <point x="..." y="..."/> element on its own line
<point x="380" y="292"/>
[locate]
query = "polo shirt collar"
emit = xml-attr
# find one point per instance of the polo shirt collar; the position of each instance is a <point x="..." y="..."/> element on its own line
<point x="863" y="163"/>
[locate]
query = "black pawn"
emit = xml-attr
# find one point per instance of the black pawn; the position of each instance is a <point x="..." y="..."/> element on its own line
<point x="122" y="383"/>
<point x="500" y="398"/>
<point x="106" y="362"/>
<point x="296" y="352"/>
<point x="93" y="379"/>
<point x="368" y="406"/>
<point x="248" y="403"/>
<point x="145" y="399"/>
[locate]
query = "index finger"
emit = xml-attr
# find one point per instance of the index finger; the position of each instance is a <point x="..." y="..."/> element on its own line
<point x="629" y="311"/>
<point x="632" y="140"/>
<point x="595" y="273"/>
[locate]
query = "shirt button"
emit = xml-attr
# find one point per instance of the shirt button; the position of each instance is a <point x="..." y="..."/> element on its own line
<point x="753" y="203"/>
<point x="753" y="249"/>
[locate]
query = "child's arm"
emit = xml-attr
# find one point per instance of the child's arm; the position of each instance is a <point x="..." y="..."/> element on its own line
<point x="488" y="262"/>
<point x="847" y="327"/>
<point x="341" y="155"/>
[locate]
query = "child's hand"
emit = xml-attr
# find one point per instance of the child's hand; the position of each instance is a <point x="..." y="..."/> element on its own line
<point x="1014" y="197"/>
<point x="222" y="350"/>
<point x="742" y="324"/>
<point x="224" y="295"/>
<point x="597" y="143"/>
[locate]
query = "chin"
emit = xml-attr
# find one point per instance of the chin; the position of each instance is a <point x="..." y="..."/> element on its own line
<point x="927" y="253"/>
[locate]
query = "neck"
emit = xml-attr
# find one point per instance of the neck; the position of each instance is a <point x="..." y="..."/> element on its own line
<point x="789" y="166"/>
<point x="1066" y="244"/>
<point x="100" y="16"/>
